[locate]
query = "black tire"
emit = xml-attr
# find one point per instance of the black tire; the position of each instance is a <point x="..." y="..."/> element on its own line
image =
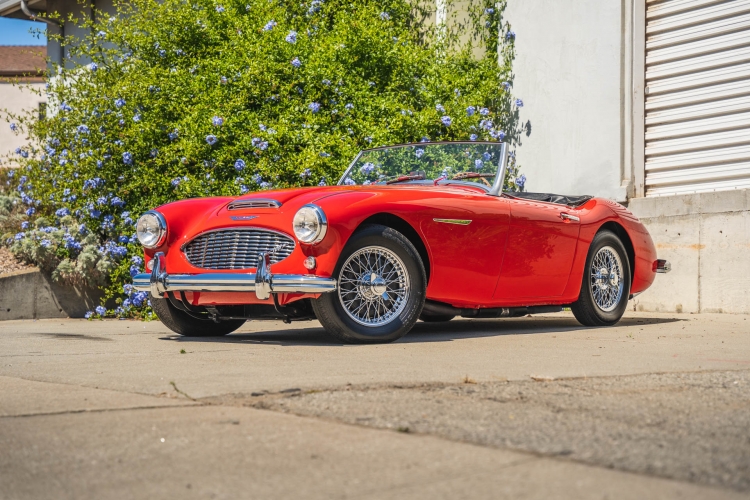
<point x="436" y="318"/>
<point x="336" y="320"/>
<point x="586" y="309"/>
<point x="179" y="322"/>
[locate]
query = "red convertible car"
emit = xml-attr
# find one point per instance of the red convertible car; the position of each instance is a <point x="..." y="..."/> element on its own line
<point x="415" y="231"/>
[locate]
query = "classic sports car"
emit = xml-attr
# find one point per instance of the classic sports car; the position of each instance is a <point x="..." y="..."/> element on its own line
<point x="416" y="231"/>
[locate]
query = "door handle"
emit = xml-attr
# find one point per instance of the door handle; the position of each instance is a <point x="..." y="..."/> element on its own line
<point x="567" y="217"/>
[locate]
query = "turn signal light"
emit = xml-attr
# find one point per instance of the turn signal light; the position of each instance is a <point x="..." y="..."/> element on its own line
<point x="310" y="263"/>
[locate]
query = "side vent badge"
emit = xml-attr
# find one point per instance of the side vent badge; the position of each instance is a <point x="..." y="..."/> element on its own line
<point x="244" y="217"/>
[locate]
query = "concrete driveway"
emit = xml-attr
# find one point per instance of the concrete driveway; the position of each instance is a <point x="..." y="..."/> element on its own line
<point x="535" y="407"/>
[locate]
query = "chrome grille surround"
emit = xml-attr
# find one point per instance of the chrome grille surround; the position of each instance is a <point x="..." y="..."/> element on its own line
<point x="236" y="248"/>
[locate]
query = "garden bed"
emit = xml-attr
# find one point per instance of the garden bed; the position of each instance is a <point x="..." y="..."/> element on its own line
<point x="9" y="264"/>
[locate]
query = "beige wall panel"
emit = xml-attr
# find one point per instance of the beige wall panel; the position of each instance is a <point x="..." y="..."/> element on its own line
<point x="676" y="239"/>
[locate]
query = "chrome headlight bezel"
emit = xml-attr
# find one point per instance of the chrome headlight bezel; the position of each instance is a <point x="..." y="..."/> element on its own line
<point x="161" y="224"/>
<point x="321" y="224"/>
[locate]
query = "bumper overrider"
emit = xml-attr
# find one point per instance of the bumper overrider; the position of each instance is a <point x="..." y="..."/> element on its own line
<point x="262" y="282"/>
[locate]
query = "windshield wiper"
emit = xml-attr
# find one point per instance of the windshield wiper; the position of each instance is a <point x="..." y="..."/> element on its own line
<point x="411" y="177"/>
<point x="473" y="175"/>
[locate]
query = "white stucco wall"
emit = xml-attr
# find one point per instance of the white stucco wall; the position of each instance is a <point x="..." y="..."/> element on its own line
<point x="15" y="99"/>
<point x="568" y="73"/>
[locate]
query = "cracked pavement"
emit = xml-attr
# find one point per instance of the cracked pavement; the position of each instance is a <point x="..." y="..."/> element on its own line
<point x="533" y="407"/>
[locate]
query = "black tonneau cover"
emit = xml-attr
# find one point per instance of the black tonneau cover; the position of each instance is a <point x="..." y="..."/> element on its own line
<point x="560" y="199"/>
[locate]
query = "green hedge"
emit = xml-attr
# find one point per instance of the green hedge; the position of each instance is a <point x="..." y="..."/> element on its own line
<point x="203" y="98"/>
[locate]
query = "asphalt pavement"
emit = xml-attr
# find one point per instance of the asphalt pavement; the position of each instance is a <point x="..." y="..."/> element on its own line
<point x="535" y="407"/>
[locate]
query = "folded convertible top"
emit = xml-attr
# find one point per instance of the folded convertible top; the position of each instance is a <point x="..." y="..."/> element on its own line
<point x="560" y="199"/>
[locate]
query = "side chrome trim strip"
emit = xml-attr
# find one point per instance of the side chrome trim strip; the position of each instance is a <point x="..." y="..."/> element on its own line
<point x="460" y="222"/>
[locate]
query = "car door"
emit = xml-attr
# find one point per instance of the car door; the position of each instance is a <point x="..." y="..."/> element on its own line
<point x="466" y="239"/>
<point x="542" y="241"/>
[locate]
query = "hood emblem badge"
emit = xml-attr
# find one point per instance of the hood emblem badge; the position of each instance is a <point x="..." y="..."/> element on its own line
<point x="244" y="217"/>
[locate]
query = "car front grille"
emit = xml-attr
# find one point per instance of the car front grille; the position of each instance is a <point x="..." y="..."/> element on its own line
<point x="237" y="248"/>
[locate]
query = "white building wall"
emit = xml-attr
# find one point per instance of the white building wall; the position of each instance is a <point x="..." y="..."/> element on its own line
<point x="16" y="98"/>
<point x="568" y="73"/>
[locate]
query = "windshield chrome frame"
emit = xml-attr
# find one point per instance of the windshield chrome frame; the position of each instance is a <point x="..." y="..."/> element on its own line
<point x="497" y="186"/>
<point x="502" y="166"/>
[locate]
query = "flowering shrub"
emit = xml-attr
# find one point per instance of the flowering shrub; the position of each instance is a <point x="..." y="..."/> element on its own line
<point x="213" y="97"/>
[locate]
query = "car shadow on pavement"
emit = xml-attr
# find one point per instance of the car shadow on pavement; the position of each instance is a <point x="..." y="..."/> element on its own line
<point x="476" y="328"/>
<point x="312" y="335"/>
<point x="423" y="332"/>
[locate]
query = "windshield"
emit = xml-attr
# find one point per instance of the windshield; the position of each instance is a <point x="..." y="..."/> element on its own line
<point x="476" y="162"/>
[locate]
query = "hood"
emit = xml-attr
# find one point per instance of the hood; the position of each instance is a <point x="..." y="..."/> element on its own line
<point x="188" y="218"/>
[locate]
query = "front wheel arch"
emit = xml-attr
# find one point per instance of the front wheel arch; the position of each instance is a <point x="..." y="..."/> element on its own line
<point x="398" y="224"/>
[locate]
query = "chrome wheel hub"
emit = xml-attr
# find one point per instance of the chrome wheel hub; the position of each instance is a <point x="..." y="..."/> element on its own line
<point x="373" y="286"/>
<point x="606" y="279"/>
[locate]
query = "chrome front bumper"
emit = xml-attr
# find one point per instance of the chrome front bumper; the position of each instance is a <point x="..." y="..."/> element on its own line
<point x="263" y="283"/>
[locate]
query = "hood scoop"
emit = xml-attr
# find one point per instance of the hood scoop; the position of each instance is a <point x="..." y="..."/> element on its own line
<point x="254" y="203"/>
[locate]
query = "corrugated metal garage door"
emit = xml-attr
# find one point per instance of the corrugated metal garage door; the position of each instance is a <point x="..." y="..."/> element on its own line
<point x="697" y="96"/>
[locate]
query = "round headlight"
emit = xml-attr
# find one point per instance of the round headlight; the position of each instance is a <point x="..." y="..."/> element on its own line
<point x="151" y="229"/>
<point x="310" y="224"/>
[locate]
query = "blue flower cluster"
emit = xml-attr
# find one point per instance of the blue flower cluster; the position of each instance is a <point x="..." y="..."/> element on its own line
<point x="314" y="7"/>
<point x="94" y="183"/>
<point x="70" y="243"/>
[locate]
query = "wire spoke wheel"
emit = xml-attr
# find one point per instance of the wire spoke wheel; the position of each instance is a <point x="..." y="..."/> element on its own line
<point x="607" y="279"/>
<point x="373" y="286"/>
